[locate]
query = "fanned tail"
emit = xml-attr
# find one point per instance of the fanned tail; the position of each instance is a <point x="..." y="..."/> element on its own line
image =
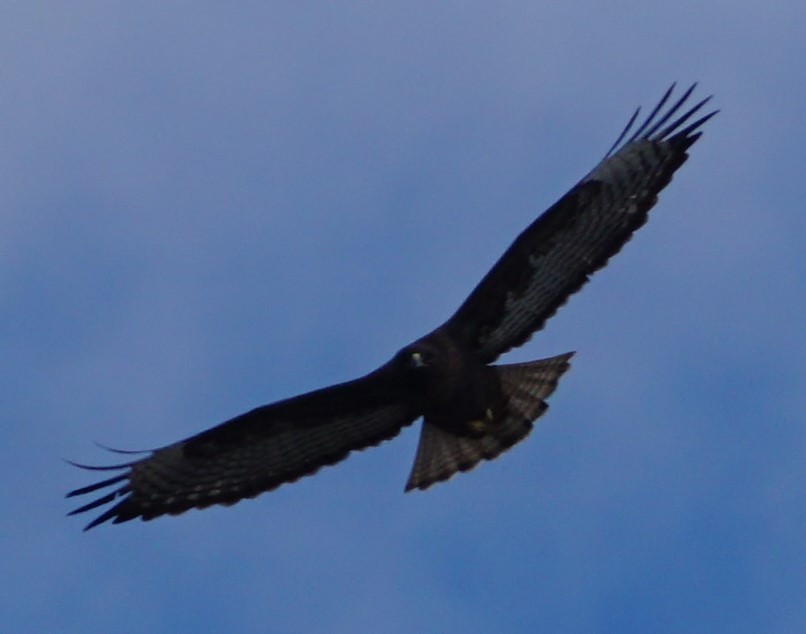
<point x="441" y="454"/>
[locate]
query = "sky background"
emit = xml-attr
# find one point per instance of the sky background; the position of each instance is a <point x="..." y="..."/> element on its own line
<point x="207" y="207"/>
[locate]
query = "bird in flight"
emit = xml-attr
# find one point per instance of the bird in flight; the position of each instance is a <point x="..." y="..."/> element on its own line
<point x="472" y="409"/>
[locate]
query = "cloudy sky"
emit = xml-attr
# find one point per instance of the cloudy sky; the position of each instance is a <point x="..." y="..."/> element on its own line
<point x="206" y="208"/>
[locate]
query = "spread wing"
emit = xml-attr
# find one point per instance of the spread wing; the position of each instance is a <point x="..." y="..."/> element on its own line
<point x="256" y="451"/>
<point x="556" y="254"/>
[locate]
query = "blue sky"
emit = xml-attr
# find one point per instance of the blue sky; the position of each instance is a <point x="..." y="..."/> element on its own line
<point x="206" y="208"/>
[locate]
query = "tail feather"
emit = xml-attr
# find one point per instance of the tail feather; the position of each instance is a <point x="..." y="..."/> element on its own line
<point x="441" y="454"/>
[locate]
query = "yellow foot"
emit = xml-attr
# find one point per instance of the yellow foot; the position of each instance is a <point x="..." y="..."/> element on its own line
<point x="480" y="426"/>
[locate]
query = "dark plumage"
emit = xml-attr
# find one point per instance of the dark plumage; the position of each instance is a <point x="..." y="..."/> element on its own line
<point x="472" y="410"/>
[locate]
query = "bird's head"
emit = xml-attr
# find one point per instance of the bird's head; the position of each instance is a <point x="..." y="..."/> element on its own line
<point x="418" y="357"/>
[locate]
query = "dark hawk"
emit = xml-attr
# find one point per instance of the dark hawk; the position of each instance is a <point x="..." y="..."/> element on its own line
<point x="472" y="409"/>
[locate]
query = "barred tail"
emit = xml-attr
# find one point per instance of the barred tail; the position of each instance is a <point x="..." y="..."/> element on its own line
<point x="441" y="454"/>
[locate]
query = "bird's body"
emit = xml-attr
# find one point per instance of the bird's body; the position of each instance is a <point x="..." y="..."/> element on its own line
<point x="455" y="388"/>
<point x="471" y="409"/>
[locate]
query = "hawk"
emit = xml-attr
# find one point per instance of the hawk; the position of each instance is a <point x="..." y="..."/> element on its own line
<point x="472" y="409"/>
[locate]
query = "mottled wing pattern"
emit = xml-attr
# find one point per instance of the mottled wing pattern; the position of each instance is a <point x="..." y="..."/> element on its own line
<point x="255" y="452"/>
<point x="556" y="254"/>
<point x="441" y="454"/>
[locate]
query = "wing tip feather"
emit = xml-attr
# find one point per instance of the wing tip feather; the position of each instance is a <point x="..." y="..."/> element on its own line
<point x="123" y="493"/>
<point x="652" y="128"/>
